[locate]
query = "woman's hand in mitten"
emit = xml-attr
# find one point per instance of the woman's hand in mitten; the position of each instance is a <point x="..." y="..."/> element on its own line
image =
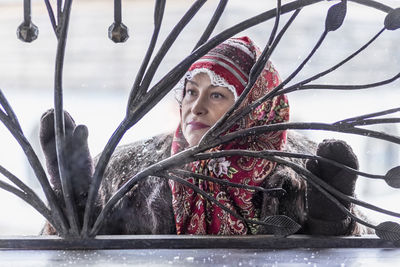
<point x="48" y="143"/>
<point x="320" y="208"/>
<point x="78" y="159"/>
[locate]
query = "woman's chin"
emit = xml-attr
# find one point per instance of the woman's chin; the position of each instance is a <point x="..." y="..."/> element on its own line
<point x="194" y="139"/>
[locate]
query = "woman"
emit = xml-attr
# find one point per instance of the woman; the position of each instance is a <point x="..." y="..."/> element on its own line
<point x="210" y="87"/>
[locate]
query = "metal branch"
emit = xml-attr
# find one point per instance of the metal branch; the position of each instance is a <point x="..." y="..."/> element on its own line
<point x="374" y="4"/>
<point x="213" y="22"/>
<point x="59" y="123"/>
<point x="158" y="16"/>
<point x="317" y="182"/>
<point x="165" y="48"/>
<point x="22" y="195"/>
<point x="117" y="11"/>
<point x="215" y="201"/>
<point x="51" y="16"/>
<point x="256" y="103"/>
<point x="347" y="87"/>
<point x="171" y="162"/>
<point x="276" y="24"/>
<point x="39" y="172"/>
<point x="188" y="155"/>
<point x="164" y="86"/>
<point x="27" y="11"/>
<point x="99" y="173"/>
<point x="171" y="78"/>
<point x="325" y="186"/>
<point x="321" y="74"/>
<point x="159" y="90"/>
<point x="254" y="73"/>
<point x="314" y="179"/>
<point x="59" y="11"/>
<point x="366" y="116"/>
<point x="9" y="111"/>
<point x="274" y="192"/>
<point x="28" y="195"/>
<point x="374" y="122"/>
<point x="202" y="156"/>
<point x="302" y="126"/>
<point x="173" y="177"/>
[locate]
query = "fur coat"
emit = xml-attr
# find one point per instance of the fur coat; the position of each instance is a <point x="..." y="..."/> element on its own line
<point x="147" y="207"/>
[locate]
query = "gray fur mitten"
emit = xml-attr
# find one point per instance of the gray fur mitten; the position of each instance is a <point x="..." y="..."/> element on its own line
<point x="78" y="159"/>
<point x="324" y="217"/>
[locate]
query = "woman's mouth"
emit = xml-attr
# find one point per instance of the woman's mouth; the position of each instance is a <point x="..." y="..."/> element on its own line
<point x="195" y="125"/>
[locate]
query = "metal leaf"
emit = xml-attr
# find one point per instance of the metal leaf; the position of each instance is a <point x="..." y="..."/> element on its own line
<point x="281" y="225"/>
<point x="392" y="20"/>
<point x="388" y="231"/>
<point x="335" y="16"/>
<point x="392" y="177"/>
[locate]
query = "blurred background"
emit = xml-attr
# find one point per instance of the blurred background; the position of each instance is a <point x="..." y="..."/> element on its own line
<point x="99" y="74"/>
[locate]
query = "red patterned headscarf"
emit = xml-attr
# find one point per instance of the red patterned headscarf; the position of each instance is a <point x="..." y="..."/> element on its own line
<point x="229" y="65"/>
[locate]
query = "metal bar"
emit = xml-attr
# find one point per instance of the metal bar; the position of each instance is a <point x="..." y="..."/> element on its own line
<point x="171" y="78"/>
<point x="188" y="155"/>
<point x="98" y="175"/>
<point x="59" y="124"/>
<point x="10" y="112"/>
<point x="127" y="123"/>
<point x="38" y="170"/>
<point x="276" y="24"/>
<point x="193" y="242"/>
<point x="321" y="185"/>
<point x="22" y="195"/>
<point x="51" y="16"/>
<point x="169" y="41"/>
<point x="158" y="16"/>
<point x="321" y="74"/>
<point x="374" y="121"/>
<point x="349" y="87"/>
<point x="173" y="161"/>
<point x="117" y="11"/>
<point x="29" y="197"/>
<point x="59" y="11"/>
<point x="246" y="110"/>
<point x="254" y="73"/>
<point x="213" y="22"/>
<point x="98" y="224"/>
<point x="26" y="190"/>
<point x="27" y="12"/>
<point x="201" y="156"/>
<point x="374" y="4"/>
<point x="303" y="126"/>
<point x="371" y="115"/>
<point x="271" y="155"/>
<point x="274" y="192"/>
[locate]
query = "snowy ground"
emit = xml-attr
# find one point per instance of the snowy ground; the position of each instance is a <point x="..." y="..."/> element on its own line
<point x="98" y="75"/>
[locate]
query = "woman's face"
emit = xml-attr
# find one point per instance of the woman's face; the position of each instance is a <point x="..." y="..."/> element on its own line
<point x="202" y="106"/>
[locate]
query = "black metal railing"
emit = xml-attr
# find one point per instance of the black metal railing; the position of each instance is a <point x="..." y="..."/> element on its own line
<point x="144" y="97"/>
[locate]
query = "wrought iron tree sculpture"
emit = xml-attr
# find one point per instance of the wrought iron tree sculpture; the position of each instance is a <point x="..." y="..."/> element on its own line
<point x="143" y="98"/>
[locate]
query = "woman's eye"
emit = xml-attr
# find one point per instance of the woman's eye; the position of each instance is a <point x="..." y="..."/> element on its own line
<point x="190" y="92"/>
<point x="217" y="95"/>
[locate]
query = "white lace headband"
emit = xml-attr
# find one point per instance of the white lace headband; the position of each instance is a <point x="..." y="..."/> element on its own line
<point x="215" y="80"/>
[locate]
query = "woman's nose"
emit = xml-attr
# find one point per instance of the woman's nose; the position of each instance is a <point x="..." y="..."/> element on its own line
<point x="200" y="106"/>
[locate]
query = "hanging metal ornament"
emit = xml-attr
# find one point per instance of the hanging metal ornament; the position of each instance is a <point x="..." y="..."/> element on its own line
<point x="118" y="32"/>
<point x="27" y="31"/>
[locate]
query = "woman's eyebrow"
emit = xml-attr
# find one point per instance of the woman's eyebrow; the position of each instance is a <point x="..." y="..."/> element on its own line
<point x="192" y="82"/>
